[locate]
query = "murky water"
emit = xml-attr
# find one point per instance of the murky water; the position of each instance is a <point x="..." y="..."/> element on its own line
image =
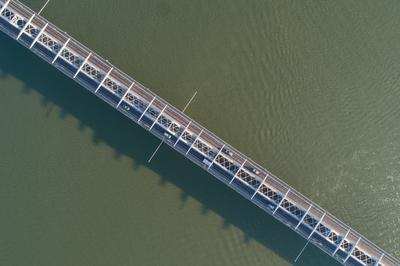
<point x="309" y="89"/>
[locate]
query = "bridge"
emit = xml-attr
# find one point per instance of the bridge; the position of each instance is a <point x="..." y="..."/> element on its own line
<point x="189" y="138"/>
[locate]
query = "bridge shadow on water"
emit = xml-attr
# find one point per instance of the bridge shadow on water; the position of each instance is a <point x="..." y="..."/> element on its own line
<point x="56" y="88"/>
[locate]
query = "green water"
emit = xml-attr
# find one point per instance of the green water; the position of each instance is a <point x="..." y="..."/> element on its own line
<point x="309" y="89"/>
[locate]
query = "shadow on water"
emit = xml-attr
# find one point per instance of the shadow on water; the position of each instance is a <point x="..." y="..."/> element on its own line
<point x="194" y="182"/>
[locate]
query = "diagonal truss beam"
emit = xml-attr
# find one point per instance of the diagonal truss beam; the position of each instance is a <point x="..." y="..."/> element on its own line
<point x="25" y="26"/>
<point x="62" y="49"/>
<point x="147" y="108"/>
<point x="216" y="156"/>
<point x="158" y="117"/>
<point x="341" y="242"/>
<point x="351" y="251"/>
<point x="197" y="137"/>
<point x="240" y="168"/>
<point x="279" y="205"/>
<point x="265" y="178"/>
<point x="104" y="79"/>
<point x="186" y="128"/>
<point x="38" y="36"/>
<point x="123" y="96"/>
<point x="4" y="6"/>
<point x="302" y="218"/>
<point x="316" y="226"/>
<point x="82" y="65"/>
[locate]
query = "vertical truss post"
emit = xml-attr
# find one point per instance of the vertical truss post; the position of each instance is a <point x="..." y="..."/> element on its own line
<point x="25" y="26"/>
<point x="82" y="65"/>
<point x="240" y="168"/>
<point x="197" y="137"/>
<point x="316" y="226"/>
<point x="279" y="205"/>
<point x="123" y="97"/>
<point x="158" y="117"/>
<point x="38" y="36"/>
<point x="104" y="79"/>
<point x="4" y="6"/>
<point x="352" y="249"/>
<point x="176" y="142"/>
<point x="216" y="156"/>
<point x="59" y="52"/>
<point x="341" y="242"/>
<point x="265" y="178"/>
<point x="302" y="218"/>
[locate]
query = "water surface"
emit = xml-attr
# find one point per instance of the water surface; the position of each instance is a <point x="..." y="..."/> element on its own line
<point x="307" y="88"/>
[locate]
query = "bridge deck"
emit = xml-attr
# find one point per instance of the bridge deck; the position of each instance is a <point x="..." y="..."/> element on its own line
<point x="188" y="137"/>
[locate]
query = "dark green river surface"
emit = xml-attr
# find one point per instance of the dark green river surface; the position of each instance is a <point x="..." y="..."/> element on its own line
<point x="309" y="89"/>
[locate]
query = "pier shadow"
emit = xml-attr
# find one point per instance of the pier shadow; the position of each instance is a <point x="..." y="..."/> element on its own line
<point x="91" y="112"/>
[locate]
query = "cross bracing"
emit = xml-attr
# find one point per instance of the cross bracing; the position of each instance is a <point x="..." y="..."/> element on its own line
<point x="271" y="194"/>
<point x="323" y="229"/>
<point x="188" y="136"/>
<point x="70" y="55"/>
<point x="14" y="18"/>
<point x="71" y="58"/>
<point x="153" y="112"/>
<point x="174" y="127"/>
<point x="136" y="101"/>
<point x="227" y="164"/>
<point x="346" y="245"/>
<point x="310" y="221"/>
<point x="248" y="178"/>
<point x="93" y="72"/>
<point x="169" y="124"/>
<point x="49" y="42"/>
<point x="204" y="148"/>
<point x="114" y="86"/>
<point x="164" y="121"/>
<point x="335" y="238"/>
<point x="32" y="31"/>
<point x="292" y="208"/>
<point x="364" y="258"/>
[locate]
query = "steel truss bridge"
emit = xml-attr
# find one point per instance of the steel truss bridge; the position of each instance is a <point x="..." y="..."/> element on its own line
<point x="189" y="138"/>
